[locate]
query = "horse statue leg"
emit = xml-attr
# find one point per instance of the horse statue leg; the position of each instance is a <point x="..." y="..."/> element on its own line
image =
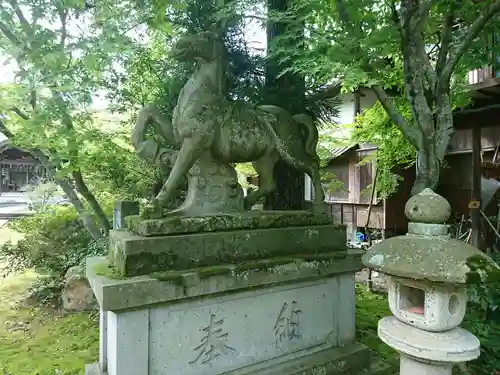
<point x="300" y="155"/>
<point x="191" y="149"/>
<point x="265" y="169"/>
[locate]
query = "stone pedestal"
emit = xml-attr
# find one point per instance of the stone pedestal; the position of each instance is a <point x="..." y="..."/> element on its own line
<point x="428" y="353"/>
<point x="268" y="293"/>
<point x="292" y="318"/>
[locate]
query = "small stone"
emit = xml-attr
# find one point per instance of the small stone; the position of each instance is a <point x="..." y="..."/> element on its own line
<point x="428" y="207"/>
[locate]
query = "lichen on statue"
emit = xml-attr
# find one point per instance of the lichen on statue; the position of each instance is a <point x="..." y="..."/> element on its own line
<point x="210" y="132"/>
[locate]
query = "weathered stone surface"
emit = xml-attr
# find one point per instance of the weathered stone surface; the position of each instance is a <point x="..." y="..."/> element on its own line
<point x="426" y="252"/>
<point x="133" y="255"/>
<point x="77" y="294"/>
<point x="213" y="133"/>
<point x="440" y="259"/>
<point x="123" y="209"/>
<point x="277" y="328"/>
<point x="427" y="207"/>
<point x="220" y="222"/>
<point x="453" y="346"/>
<point x="352" y="359"/>
<point x="118" y="294"/>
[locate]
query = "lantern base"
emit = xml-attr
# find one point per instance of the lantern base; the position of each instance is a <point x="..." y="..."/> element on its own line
<point x="411" y="366"/>
<point x="436" y="351"/>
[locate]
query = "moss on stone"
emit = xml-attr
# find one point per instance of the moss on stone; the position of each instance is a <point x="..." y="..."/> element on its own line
<point x="222" y="222"/>
<point x="206" y="272"/>
<point x="105" y="269"/>
<point x="433" y="258"/>
<point x="175" y="277"/>
<point x="323" y="257"/>
<point x="134" y="255"/>
<point x="263" y="264"/>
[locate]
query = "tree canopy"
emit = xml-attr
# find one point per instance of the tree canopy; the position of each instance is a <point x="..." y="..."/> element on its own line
<point x="416" y="50"/>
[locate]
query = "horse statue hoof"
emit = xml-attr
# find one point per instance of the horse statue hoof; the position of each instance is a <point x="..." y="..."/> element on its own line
<point x="152" y="211"/>
<point x="247" y="205"/>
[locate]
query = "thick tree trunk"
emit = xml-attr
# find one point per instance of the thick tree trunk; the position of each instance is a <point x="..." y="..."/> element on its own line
<point x="85" y="216"/>
<point x="427" y="170"/>
<point x="431" y="153"/>
<point x="286" y="91"/>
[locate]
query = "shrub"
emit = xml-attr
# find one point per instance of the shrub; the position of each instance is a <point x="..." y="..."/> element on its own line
<point x="54" y="241"/>
<point x="483" y="317"/>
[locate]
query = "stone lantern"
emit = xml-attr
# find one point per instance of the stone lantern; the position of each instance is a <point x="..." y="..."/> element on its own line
<point x="427" y="292"/>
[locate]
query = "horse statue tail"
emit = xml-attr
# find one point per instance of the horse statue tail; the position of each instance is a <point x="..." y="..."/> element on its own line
<point x="282" y="127"/>
<point x="312" y="133"/>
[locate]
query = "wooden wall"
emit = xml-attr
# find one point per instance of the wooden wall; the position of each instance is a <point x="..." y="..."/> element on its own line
<point x="351" y="205"/>
<point x="461" y="141"/>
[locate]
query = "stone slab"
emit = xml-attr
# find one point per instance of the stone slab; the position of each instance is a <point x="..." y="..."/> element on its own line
<point x="223" y="222"/>
<point x="134" y="255"/>
<point x="351" y="359"/>
<point x="118" y="294"/>
<point x="244" y="329"/>
<point x="243" y="332"/>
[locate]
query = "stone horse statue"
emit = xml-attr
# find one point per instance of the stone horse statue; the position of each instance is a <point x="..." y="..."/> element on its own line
<point x="207" y="126"/>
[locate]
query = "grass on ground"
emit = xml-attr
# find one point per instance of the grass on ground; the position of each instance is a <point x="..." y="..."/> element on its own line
<point x="39" y="341"/>
<point x="370" y="308"/>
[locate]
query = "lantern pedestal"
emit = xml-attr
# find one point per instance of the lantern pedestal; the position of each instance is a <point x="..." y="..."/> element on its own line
<point x="428" y="353"/>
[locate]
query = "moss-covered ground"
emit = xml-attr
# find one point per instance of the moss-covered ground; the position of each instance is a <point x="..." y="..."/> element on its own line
<point x="41" y="341"/>
<point x="370" y="308"/>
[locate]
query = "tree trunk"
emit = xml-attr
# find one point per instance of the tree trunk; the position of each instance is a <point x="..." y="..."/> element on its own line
<point x="432" y="151"/>
<point x="82" y="188"/>
<point x="286" y="91"/>
<point x="427" y="171"/>
<point x="419" y="82"/>
<point x="85" y="216"/>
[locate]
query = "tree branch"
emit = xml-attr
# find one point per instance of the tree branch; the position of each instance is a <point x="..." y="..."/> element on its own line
<point x="429" y="73"/>
<point x="472" y="33"/>
<point x="396" y="18"/>
<point x="446" y="38"/>
<point x="63" y="17"/>
<point x="423" y="12"/>
<point x="22" y="19"/>
<point x="324" y="93"/>
<point x="82" y="188"/>
<point x="9" y="34"/>
<point x="414" y="135"/>
<point x="20" y="113"/>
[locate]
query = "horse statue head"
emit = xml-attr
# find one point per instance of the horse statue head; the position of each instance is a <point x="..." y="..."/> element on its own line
<point x="204" y="46"/>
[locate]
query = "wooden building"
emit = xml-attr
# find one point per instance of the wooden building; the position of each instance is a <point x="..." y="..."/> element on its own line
<point x="18" y="168"/>
<point x="350" y="202"/>
<point x="471" y="154"/>
<point x="349" y="198"/>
